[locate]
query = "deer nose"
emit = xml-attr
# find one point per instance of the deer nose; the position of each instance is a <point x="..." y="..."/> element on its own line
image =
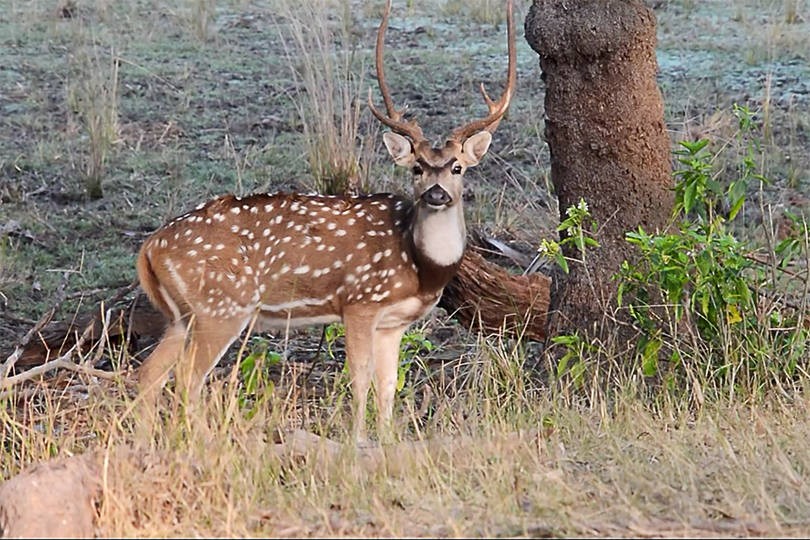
<point x="436" y="196"/>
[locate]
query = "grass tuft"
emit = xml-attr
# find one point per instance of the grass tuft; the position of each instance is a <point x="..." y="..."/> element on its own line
<point x="201" y="18"/>
<point x="324" y="59"/>
<point x="93" y="95"/>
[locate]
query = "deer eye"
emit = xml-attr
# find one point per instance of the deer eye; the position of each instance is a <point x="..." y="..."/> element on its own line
<point x="417" y="170"/>
<point x="457" y="169"/>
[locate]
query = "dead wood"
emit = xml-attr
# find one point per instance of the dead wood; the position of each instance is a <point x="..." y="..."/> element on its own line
<point x="485" y="296"/>
<point x="124" y="324"/>
<point x="43" y="321"/>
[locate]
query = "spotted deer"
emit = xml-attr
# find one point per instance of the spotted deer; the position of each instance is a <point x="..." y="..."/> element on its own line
<point x="377" y="262"/>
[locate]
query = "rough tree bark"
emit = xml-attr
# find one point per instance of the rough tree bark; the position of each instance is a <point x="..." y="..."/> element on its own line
<point x="606" y="133"/>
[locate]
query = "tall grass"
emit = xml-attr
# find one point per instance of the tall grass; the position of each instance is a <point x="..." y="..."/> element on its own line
<point x="480" y="11"/>
<point x="201" y="18"/>
<point x="521" y="461"/>
<point x="324" y="59"/>
<point x="93" y="94"/>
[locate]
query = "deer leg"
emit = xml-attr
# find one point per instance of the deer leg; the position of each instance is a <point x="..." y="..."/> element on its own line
<point x="154" y="372"/>
<point x="359" y="354"/>
<point x="210" y="338"/>
<point x="386" y="365"/>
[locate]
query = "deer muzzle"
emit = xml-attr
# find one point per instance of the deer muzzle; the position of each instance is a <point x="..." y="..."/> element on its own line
<point x="436" y="196"/>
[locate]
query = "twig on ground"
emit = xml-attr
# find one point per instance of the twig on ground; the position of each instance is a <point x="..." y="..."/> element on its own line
<point x="61" y="362"/>
<point x="753" y="258"/>
<point x="91" y="292"/>
<point x="317" y="358"/>
<point x="64" y="361"/>
<point x="119" y="295"/>
<point x="8" y="365"/>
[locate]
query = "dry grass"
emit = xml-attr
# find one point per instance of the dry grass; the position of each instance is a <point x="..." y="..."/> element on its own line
<point x="201" y="18"/>
<point x="482" y="11"/>
<point x="93" y="95"/>
<point x="331" y="70"/>
<point x="618" y="466"/>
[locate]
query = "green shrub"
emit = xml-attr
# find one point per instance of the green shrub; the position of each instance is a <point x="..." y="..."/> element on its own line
<point x="698" y="295"/>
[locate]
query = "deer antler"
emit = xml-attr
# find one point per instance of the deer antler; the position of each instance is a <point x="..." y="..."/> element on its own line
<point x="496" y="108"/>
<point x="394" y="119"/>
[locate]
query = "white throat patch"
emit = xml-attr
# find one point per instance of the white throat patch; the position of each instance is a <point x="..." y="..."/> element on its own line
<point x="441" y="235"/>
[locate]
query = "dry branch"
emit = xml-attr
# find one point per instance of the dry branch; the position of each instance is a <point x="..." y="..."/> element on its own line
<point x="55" y="338"/>
<point x="8" y="365"/>
<point x="63" y="361"/>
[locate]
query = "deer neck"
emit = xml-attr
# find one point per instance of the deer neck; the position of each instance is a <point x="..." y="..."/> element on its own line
<point x="439" y="238"/>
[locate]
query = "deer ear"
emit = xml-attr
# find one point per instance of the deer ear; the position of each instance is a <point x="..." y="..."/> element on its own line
<point x="475" y="147"/>
<point x="400" y="148"/>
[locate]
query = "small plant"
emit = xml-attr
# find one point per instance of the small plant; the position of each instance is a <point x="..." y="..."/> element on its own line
<point x="201" y="18"/>
<point x="257" y="387"/>
<point x="791" y="11"/>
<point x="480" y="11"/>
<point x="412" y="344"/>
<point x="573" y="233"/>
<point x="333" y="332"/>
<point x="577" y="350"/>
<point x="704" y="278"/>
<point x="332" y="100"/>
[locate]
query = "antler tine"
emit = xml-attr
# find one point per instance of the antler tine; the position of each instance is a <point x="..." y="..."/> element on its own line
<point x="394" y="119"/>
<point x="393" y="113"/>
<point x="496" y="108"/>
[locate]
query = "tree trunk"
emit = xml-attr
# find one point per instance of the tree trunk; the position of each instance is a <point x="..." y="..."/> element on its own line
<point x="606" y="133"/>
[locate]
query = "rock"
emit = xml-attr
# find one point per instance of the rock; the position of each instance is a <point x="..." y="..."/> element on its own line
<point x="53" y="499"/>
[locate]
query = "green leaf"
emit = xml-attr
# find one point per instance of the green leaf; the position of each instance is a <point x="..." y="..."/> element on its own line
<point x="714" y="186"/>
<point x="744" y="292"/>
<point x="563" y="365"/>
<point x="591" y="242"/>
<point x="562" y="262"/>
<point x="694" y="146"/>
<point x="736" y="208"/>
<point x="578" y="372"/>
<point x="247" y="365"/>
<point x="650" y="358"/>
<point x="784" y="244"/>
<point x="689" y="197"/>
<point x="400" y="379"/>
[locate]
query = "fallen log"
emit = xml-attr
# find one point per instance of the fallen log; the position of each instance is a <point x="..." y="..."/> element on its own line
<point x="135" y="320"/>
<point x="484" y="296"/>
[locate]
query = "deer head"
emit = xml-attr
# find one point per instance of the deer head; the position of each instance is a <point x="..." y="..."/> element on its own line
<point x="438" y="171"/>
